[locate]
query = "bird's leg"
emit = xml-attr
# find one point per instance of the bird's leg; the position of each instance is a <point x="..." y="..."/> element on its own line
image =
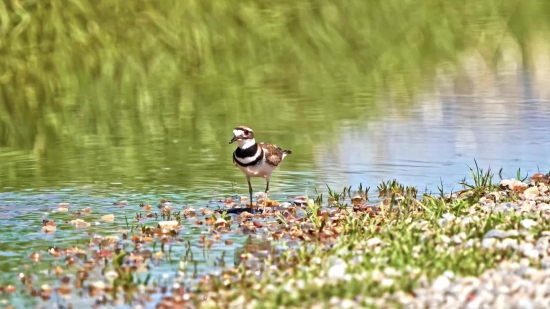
<point x="266" y="193"/>
<point x="249" y="190"/>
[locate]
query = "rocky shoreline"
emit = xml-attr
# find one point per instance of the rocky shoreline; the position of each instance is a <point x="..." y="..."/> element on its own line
<point x="486" y="246"/>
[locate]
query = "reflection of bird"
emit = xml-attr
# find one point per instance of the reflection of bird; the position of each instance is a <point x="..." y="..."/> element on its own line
<point x="255" y="160"/>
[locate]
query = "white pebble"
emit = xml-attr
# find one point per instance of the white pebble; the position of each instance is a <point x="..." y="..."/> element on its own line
<point x="528" y="223"/>
<point x="441" y="283"/>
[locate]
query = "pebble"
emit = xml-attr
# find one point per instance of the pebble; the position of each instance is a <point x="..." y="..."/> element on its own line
<point x="489" y="243"/>
<point x="441" y="283"/>
<point x="501" y="234"/>
<point x="338" y="270"/>
<point x="507" y="207"/>
<point x="543" y="207"/>
<point x="528" y="223"/>
<point x="373" y="242"/>
<point x="508" y="243"/>
<point x="532" y="191"/>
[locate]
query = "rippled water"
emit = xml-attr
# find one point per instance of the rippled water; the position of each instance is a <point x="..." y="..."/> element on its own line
<point x="501" y="123"/>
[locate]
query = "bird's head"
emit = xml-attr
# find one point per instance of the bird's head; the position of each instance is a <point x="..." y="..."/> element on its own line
<point x="244" y="136"/>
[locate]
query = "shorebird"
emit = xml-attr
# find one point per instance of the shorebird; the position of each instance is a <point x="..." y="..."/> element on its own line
<point x="255" y="159"/>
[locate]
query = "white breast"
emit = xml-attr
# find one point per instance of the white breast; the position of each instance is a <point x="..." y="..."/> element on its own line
<point x="260" y="170"/>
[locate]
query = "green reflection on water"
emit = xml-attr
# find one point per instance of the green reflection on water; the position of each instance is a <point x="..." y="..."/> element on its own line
<point x="115" y="91"/>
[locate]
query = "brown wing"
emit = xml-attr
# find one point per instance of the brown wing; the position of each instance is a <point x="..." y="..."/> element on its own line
<point x="273" y="154"/>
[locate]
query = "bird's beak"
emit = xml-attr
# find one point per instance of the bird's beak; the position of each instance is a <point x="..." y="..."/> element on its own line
<point x="233" y="139"/>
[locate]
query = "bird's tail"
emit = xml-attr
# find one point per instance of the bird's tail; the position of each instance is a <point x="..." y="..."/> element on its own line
<point x="287" y="152"/>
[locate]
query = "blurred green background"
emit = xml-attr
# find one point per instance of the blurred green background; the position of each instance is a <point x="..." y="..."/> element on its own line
<point x="147" y="91"/>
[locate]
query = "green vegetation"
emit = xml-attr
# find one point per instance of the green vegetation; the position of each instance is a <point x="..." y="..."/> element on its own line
<point x="121" y="80"/>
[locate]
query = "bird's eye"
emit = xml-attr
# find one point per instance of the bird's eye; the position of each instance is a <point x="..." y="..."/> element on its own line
<point x="245" y="132"/>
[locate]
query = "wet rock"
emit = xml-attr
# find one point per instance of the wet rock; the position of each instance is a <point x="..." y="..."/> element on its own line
<point x="285" y="205"/>
<point x="190" y="212"/>
<point x="300" y="200"/>
<point x="110" y="240"/>
<point x="79" y="223"/>
<point x="108" y="218"/>
<point x="168" y="225"/>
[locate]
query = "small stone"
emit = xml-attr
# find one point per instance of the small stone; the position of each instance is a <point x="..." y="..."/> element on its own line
<point x="528" y="197"/>
<point x="100" y="285"/>
<point x="489" y="243"/>
<point x="513" y="184"/>
<point x="79" y="223"/>
<point x="108" y="218"/>
<point x="525" y="303"/>
<point x="459" y="238"/>
<point x="386" y="282"/>
<point x="448" y="216"/>
<point x="445" y="239"/>
<point x="449" y="274"/>
<point x="112" y="239"/>
<point x="506" y="207"/>
<point x="111" y="275"/>
<point x="532" y="190"/>
<point x="544" y="207"/>
<point x="338" y="270"/>
<point x="285" y="205"/>
<point x="531" y="253"/>
<point x="528" y="223"/>
<point x="390" y="271"/>
<point x="496" y="233"/>
<point x="508" y="243"/>
<point x="260" y="195"/>
<point x="528" y="207"/>
<point x="347" y="304"/>
<point x="373" y="242"/>
<point x="466" y="220"/>
<point x="441" y="283"/>
<point x="169" y="225"/>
